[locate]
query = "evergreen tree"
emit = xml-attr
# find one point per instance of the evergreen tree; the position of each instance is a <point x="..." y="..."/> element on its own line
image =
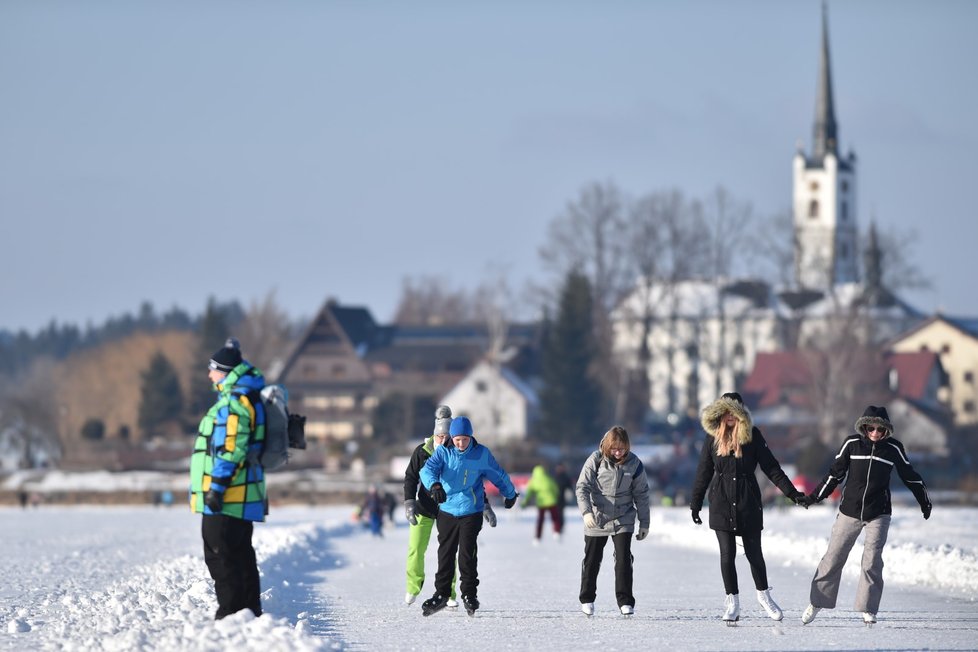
<point x="160" y="399"/>
<point x="570" y="403"/>
<point x="212" y="333"/>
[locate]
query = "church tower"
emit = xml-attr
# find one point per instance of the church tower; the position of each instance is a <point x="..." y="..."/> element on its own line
<point x="824" y="198"/>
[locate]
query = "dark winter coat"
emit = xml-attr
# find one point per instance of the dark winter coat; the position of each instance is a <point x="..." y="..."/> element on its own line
<point x="413" y="488"/>
<point x="735" y="497"/>
<point x="866" y="466"/>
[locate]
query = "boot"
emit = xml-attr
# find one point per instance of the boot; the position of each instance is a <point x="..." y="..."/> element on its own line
<point x="770" y="606"/>
<point x="731" y="611"/>
<point x="809" y="614"/>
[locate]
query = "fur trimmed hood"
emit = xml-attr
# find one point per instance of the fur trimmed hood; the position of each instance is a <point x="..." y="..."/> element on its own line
<point x="710" y="419"/>
<point x="875" y="416"/>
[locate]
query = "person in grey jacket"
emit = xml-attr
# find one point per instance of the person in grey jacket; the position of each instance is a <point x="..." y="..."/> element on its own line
<point x="612" y="493"/>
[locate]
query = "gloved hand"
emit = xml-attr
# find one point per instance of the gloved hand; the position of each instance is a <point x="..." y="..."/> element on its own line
<point x="642" y="533"/>
<point x="925" y="509"/>
<point x="509" y="502"/>
<point x="801" y="499"/>
<point x="489" y="515"/>
<point x="214" y="501"/>
<point x="409" y="512"/>
<point x="438" y="493"/>
<point x="696" y="517"/>
<point x="590" y="522"/>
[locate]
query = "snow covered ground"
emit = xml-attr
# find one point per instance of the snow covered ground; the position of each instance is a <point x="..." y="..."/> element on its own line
<point x="133" y="578"/>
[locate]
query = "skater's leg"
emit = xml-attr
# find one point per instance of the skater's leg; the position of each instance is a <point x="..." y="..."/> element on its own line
<point x="593" y="552"/>
<point x="418" y="537"/>
<point x="468" y="553"/>
<point x="557" y="513"/>
<point x="755" y="556"/>
<point x="728" y="559"/>
<point x="448" y="534"/>
<point x="540" y="513"/>
<point x="825" y="584"/>
<point x="870" y="588"/>
<point x="623" y="568"/>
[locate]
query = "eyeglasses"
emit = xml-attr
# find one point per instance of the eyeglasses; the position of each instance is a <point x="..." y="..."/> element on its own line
<point x="870" y="429"/>
<point x="616" y="449"/>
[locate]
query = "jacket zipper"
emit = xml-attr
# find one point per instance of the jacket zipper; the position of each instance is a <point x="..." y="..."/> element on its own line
<point x="869" y="467"/>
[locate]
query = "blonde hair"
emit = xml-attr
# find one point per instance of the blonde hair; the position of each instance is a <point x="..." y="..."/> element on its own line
<point x="728" y="439"/>
<point x="617" y="437"/>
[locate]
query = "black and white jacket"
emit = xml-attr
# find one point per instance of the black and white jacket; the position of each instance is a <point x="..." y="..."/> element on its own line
<point x="866" y="466"/>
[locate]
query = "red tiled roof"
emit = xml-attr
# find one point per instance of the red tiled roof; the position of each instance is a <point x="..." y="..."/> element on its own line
<point x="913" y="371"/>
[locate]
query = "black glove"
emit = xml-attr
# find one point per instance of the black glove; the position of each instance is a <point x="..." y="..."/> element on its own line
<point x="438" y="493"/>
<point x="925" y="509"/>
<point x="214" y="501"/>
<point x="801" y="499"/>
<point x="696" y="517"/>
<point x="409" y="512"/>
<point x="509" y="502"/>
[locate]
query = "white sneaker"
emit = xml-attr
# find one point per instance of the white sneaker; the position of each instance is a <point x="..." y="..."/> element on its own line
<point x="587" y="608"/>
<point x="770" y="606"/>
<point x="810" y="612"/>
<point x="409" y="598"/>
<point x="627" y="610"/>
<point x="869" y="618"/>
<point x="731" y="610"/>
<point x="452" y="602"/>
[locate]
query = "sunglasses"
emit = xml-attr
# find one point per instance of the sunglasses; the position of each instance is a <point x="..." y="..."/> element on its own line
<point x="870" y="429"/>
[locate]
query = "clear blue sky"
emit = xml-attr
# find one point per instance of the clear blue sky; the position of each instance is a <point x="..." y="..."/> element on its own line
<point x="161" y="150"/>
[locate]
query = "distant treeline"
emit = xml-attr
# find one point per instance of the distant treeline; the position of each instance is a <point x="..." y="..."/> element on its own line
<point x="19" y="350"/>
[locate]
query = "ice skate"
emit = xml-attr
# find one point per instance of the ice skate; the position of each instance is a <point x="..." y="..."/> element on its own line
<point x="470" y="603"/>
<point x="587" y="608"/>
<point x="809" y="615"/>
<point x="409" y="598"/>
<point x="627" y="610"/>
<point x="770" y="606"/>
<point x="731" y="611"/>
<point x="869" y="619"/>
<point x="434" y="604"/>
<point x="452" y="603"/>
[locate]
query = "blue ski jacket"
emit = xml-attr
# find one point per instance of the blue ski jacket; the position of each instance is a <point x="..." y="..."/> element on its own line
<point x="461" y="475"/>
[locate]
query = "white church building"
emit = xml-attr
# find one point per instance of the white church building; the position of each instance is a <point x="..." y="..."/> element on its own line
<point x="701" y="337"/>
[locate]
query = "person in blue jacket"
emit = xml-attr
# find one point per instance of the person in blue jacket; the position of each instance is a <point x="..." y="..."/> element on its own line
<point x="455" y="477"/>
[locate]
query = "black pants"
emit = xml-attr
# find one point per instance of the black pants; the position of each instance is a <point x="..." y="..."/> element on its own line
<point x="230" y="558"/>
<point x="593" y="553"/>
<point x="728" y="557"/>
<point x="458" y="535"/>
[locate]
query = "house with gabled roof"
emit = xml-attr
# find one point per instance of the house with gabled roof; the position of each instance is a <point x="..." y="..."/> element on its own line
<point x="913" y="386"/>
<point x="502" y="406"/>
<point x="955" y="342"/>
<point x="346" y="364"/>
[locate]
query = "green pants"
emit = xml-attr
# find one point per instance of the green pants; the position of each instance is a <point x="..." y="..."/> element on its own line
<point x="418" y="537"/>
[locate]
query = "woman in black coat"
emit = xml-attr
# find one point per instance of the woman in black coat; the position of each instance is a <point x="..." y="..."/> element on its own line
<point x="731" y="453"/>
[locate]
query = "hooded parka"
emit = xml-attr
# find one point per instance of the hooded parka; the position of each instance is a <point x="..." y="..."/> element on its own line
<point x="735" y="497"/>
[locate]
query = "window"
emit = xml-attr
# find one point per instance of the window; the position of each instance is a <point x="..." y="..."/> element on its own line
<point x="481" y="387"/>
<point x="845" y="186"/>
<point x="814" y="186"/>
<point x="813" y="208"/>
<point x="969" y="406"/>
<point x="969" y="376"/>
<point x="844" y="213"/>
<point x="946" y="348"/>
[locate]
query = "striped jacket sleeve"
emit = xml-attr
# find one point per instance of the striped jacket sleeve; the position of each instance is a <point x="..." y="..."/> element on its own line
<point x="837" y="472"/>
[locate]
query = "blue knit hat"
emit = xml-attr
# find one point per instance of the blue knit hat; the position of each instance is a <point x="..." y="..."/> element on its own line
<point x="461" y="427"/>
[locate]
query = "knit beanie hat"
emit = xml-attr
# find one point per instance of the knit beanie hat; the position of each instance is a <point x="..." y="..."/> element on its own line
<point x="443" y="420"/>
<point x="228" y="357"/>
<point x="461" y="427"/>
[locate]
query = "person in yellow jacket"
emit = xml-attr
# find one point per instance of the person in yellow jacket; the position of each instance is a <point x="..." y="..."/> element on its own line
<point x="543" y="490"/>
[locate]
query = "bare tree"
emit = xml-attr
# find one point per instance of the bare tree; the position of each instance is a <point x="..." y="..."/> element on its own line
<point x="429" y="300"/>
<point x="891" y="254"/>
<point x="265" y="332"/>
<point x="29" y="417"/>
<point x="775" y="248"/>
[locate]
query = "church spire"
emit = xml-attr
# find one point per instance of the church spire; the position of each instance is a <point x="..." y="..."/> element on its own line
<point x="826" y="140"/>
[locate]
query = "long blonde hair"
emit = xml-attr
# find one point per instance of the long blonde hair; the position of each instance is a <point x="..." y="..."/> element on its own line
<point x="617" y="437"/>
<point x="728" y="440"/>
